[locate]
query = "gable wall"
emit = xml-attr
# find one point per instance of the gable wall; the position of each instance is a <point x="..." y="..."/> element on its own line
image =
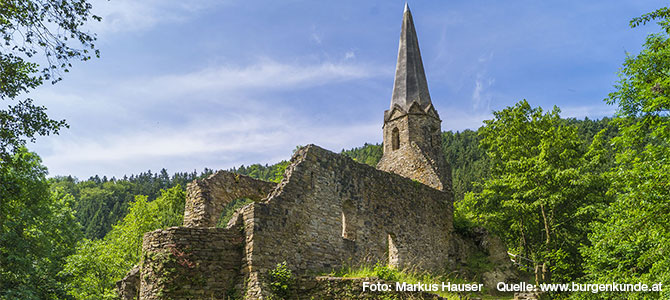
<point x="302" y="221"/>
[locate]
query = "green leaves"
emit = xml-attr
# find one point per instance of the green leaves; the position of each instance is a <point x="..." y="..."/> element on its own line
<point x="37" y="230"/>
<point x="16" y="76"/>
<point x="661" y="13"/>
<point x="52" y="28"/>
<point x="631" y="242"/>
<point x="281" y="281"/>
<point x="98" y="264"/>
<point x="535" y="193"/>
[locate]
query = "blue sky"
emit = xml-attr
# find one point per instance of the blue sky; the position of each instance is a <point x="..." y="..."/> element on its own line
<point x="185" y="85"/>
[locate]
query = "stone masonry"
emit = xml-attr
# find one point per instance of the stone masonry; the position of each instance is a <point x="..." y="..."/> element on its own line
<point x="207" y="198"/>
<point x="412" y="133"/>
<point x="328" y="212"/>
<point x="331" y="211"/>
<point x="191" y="263"/>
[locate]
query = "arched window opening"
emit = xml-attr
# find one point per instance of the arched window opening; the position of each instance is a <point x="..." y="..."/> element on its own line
<point x="230" y="209"/>
<point x="395" y="139"/>
<point x="393" y="251"/>
<point x="348" y="220"/>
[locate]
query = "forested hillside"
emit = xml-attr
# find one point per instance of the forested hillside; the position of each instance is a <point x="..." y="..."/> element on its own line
<point x="585" y="201"/>
<point x="469" y="162"/>
<point x="114" y="213"/>
<point x="100" y="203"/>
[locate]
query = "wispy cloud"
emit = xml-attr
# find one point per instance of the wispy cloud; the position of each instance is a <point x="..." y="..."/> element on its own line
<point x="316" y="37"/>
<point x="175" y="120"/>
<point x="481" y="98"/>
<point x="265" y="74"/>
<point x="134" y="15"/>
<point x="251" y="138"/>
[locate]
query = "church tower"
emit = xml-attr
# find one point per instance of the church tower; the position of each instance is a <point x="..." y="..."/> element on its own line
<point x="412" y="131"/>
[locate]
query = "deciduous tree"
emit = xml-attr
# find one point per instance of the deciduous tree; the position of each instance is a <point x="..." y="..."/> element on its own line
<point x="633" y="241"/>
<point x="40" y="39"/>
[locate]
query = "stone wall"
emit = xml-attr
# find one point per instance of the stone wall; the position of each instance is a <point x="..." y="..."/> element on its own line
<point x="206" y="198"/>
<point x="419" y="155"/>
<point x="475" y="244"/>
<point x="129" y="287"/>
<point x="411" y="162"/>
<point x="191" y="263"/>
<point x="330" y="211"/>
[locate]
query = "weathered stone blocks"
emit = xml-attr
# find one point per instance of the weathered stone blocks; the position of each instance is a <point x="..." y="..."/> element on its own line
<point x="191" y="263"/>
<point x="331" y="211"/>
<point x="206" y="198"/>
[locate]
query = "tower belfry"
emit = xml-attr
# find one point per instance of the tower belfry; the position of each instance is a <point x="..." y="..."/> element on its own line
<point x="412" y="126"/>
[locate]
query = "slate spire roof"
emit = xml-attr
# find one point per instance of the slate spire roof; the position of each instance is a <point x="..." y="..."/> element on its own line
<point x="410" y="83"/>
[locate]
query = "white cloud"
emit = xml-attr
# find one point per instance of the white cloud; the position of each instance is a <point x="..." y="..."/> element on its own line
<point x="224" y="143"/>
<point x="195" y="120"/>
<point x="134" y="15"/>
<point x="481" y="98"/>
<point x="265" y="74"/>
<point x="316" y="37"/>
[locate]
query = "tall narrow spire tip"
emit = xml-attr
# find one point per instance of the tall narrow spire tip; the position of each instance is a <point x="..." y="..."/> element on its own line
<point x="410" y="83"/>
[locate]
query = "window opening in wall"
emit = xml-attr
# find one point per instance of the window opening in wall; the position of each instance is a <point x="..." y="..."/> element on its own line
<point x="395" y="138"/>
<point x="348" y="220"/>
<point x="393" y="251"/>
<point x="229" y="209"/>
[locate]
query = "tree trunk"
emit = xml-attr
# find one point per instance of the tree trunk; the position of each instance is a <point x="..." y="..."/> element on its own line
<point x="545" y="269"/>
<point x="522" y="240"/>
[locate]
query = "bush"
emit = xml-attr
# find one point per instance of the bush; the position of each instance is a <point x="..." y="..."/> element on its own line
<point x="281" y="281"/>
<point x="385" y="273"/>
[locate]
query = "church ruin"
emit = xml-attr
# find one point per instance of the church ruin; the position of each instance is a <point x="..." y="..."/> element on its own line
<point x="329" y="211"/>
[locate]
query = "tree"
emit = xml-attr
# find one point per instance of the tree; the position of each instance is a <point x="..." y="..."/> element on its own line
<point x="37" y="230"/>
<point x="534" y="197"/>
<point x="97" y="264"/>
<point x="631" y="243"/>
<point x="48" y="30"/>
<point x="468" y="162"/>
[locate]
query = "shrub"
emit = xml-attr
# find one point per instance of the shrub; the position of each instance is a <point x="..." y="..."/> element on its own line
<point x="281" y="281"/>
<point x="385" y="273"/>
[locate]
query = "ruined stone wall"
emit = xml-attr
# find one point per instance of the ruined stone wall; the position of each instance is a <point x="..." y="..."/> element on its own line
<point x="331" y="211"/>
<point x="191" y="263"/>
<point x="206" y="198"/>
<point x="420" y="155"/>
<point x="475" y="244"/>
<point x="409" y="161"/>
<point x="129" y="286"/>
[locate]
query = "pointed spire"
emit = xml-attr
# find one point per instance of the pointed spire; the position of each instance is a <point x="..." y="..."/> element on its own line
<point x="410" y="79"/>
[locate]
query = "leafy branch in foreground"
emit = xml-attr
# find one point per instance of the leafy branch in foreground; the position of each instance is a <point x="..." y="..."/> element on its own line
<point x="49" y="33"/>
